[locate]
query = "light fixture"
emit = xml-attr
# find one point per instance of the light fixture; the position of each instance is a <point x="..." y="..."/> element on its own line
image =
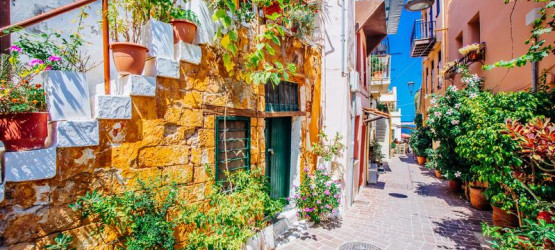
<point x="418" y="5"/>
<point x="411" y="87"/>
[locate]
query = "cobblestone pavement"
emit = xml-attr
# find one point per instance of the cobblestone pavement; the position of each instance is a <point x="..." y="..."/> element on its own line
<point x="408" y="209"/>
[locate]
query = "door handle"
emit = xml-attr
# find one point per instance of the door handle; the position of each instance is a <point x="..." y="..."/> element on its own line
<point x="271" y="151"/>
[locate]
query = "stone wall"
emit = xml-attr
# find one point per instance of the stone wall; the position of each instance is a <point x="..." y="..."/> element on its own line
<point x="171" y="133"/>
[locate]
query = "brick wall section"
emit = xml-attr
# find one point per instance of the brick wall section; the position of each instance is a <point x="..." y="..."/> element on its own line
<point x="170" y="134"/>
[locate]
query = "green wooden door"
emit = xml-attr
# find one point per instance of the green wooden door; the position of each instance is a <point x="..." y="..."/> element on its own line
<point x="278" y="155"/>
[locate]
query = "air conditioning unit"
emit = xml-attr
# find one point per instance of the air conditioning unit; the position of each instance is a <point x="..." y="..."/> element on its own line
<point x="354" y="81"/>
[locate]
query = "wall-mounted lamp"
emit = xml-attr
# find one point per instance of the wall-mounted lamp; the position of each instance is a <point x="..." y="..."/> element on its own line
<point x="418" y="5"/>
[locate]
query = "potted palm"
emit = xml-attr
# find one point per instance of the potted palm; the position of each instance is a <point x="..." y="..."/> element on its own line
<point x="23" y="116"/>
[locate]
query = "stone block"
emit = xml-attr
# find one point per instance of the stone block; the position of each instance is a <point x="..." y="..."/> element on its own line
<point x="77" y="133"/>
<point x="67" y="95"/>
<point x="157" y="36"/>
<point x="208" y="28"/>
<point x="189" y="53"/>
<point x="30" y="165"/>
<point x="113" y="107"/>
<point x="161" y="156"/>
<point x="162" y="67"/>
<point x="134" y="85"/>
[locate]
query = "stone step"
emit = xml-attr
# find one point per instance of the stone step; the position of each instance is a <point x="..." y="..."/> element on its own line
<point x="113" y="107"/>
<point x="30" y="165"/>
<point x="77" y="133"/>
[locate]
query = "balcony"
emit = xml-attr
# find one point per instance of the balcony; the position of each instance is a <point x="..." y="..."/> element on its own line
<point x="422" y="38"/>
<point x="380" y="73"/>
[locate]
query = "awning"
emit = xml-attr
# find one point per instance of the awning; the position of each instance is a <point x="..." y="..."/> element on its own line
<point x="370" y="16"/>
<point x="376" y="115"/>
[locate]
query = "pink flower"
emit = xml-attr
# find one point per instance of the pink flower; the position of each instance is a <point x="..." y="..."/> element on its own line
<point x="328" y="206"/>
<point x="318" y="202"/>
<point x="49" y="67"/>
<point x="327" y="192"/>
<point x="35" y="62"/>
<point x="296" y="196"/>
<point x="54" y="58"/>
<point x="306" y="169"/>
<point x="304" y="198"/>
<point x="307" y="209"/>
<point x="315" y="194"/>
<point x="288" y="199"/>
<point x="15" y="48"/>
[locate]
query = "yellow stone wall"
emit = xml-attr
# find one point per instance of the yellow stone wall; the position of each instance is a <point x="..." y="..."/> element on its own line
<point x="170" y="134"/>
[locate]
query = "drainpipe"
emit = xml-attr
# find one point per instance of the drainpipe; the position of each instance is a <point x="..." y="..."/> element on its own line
<point x="342" y="38"/>
<point x="535" y="73"/>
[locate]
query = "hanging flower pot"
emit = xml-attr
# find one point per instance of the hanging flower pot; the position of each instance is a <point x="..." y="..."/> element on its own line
<point x="129" y="58"/>
<point x="23" y="131"/>
<point x="502" y="218"/>
<point x="183" y="30"/>
<point x="421" y="160"/>
<point x="478" y="200"/>
<point x="455" y="186"/>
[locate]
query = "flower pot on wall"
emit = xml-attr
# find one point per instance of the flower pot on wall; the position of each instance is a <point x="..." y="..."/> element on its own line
<point x="129" y="58"/>
<point x="183" y="30"/>
<point x="23" y="131"/>
<point x="455" y="186"/>
<point x="273" y="8"/>
<point x="421" y="160"/>
<point x="478" y="200"/>
<point x="502" y="218"/>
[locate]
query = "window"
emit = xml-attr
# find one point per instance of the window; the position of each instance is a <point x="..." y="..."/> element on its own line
<point x="283" y="97"/>
<point x="232" y="145"/>
<point x="433" y="78"/>
<point x="459" y="41"/>
<point x="474" y="28"/>
<point x="439" y="66"/>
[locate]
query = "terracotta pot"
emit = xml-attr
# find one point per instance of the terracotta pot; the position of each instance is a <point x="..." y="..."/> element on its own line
<point x="129" y="58"/>
<point x="274" y="8"/>
<point x="503" y="219"/>
<point x="546" y="216"/>
<point x="421" y="160"/>
<point x="455" y="186"/>
<point x="183" y="30"/>
<point x="23" y="131"/>
<point x="478" y="200"/>
<point x="438" y="174"/>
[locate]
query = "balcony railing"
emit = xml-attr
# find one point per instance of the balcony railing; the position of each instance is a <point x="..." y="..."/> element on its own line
<point x="422" y="38"/>
<point x="380" y="68"/>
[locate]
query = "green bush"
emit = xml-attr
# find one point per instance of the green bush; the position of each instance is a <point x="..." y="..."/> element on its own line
<point x="421" y="141"/>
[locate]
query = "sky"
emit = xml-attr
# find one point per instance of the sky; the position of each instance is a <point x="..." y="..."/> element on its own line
<point x="405" y="68"/>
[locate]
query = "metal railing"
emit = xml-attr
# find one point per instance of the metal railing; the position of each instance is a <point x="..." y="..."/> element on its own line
<point x="422" y="30"/>
<point x="66" y="8"/>
<point x="380" y="68"/>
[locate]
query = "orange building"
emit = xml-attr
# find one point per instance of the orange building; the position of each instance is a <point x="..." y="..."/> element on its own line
<point x="452" y="24"/>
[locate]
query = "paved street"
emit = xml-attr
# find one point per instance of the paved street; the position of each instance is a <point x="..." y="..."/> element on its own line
<point x="408" y="209"/>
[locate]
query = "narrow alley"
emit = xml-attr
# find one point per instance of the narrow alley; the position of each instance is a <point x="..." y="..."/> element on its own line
<point x="408" y="209"/>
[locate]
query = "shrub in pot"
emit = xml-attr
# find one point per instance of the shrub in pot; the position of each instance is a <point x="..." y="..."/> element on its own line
<point x="421" y="141"/>
<point x="300" y="20"/>
<point x="23" y="116"/>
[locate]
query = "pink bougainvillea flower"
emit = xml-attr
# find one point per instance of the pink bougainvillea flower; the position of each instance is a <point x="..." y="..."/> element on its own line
<point x="54" y="58"/>
<point x="35" y="62"/>
<point x="304" y="198"/>
<point x="49" y="67"/>
<point x="15" y="48"/>
<point x="327" y="192"/>
<point x="307" y="209"/>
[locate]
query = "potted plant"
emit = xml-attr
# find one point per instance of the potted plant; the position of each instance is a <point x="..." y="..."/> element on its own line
<point x="477" y="198"/>
<point x="421" y="141"/>
<point x="473" y="52"/>
<point x="378" y="67"/>
<point x="300" y="20"/>
<point x="185" y="23"/>
<point x="64" y="81"/>
<point x="128" y="54"/>
<point x="23" y="116"/>
<point x="448" y="71"/>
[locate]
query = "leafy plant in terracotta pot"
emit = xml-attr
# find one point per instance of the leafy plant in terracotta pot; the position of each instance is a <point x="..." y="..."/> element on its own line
<point x="185" y="23"/>
<point x="23" y="116"/>
<point x="125" y="22"/>
<point x="300" y="19"/>
<point x="420" y="142"/>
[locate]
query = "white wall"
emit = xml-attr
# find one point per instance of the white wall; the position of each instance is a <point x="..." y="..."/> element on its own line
<point x="336" y="106"/>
